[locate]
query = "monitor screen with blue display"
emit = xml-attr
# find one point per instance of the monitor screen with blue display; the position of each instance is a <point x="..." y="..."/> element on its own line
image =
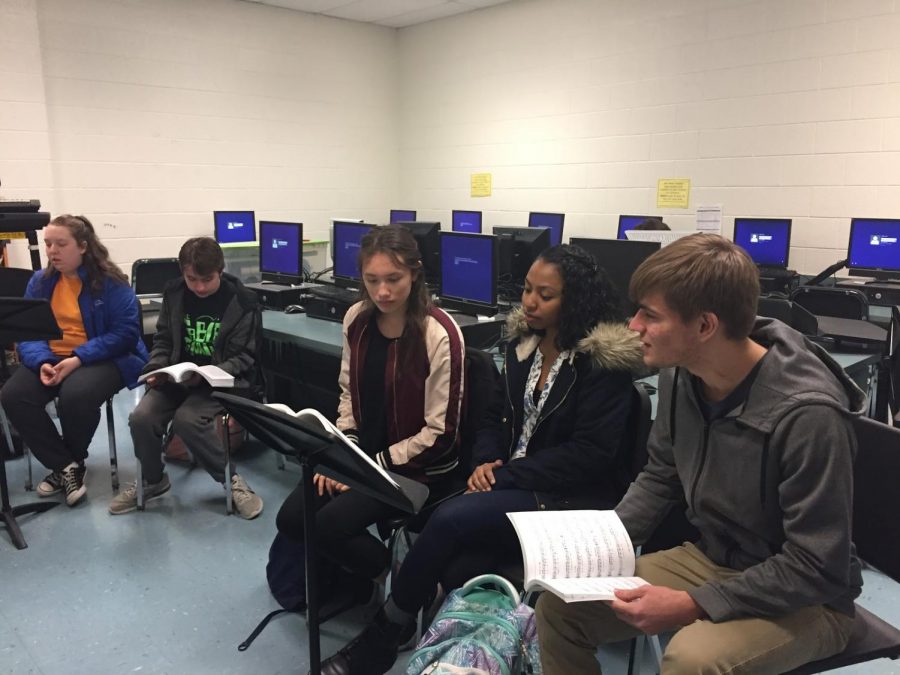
<point x="767" y="240"/>
<point x="281" y="252"/>
<point x="467" y="221"/>
<point x="235" y="227"/>
<point x="469" y="272"/>
<point x="401" y="215"/>
<point x="628" y="223"/>
<point x="345" y="243"/>
<point x="874" y="249"/>
<point x="552" y="221"/>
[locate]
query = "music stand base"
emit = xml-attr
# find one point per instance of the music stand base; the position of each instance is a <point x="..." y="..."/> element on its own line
<point x="9" y="518"/>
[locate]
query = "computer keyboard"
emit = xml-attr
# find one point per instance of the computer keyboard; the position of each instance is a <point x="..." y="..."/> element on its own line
<point x="334" y="294"/>
<point x="20" y="206"/>
<point x="775" y="272"/>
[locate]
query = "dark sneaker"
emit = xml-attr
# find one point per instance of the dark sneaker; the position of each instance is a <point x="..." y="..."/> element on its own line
<point x="126" y="500"/>
<point x="73" y="483"/>
<point x="247" y="503"/>
<point x="372" y="652"/>
<point x="51" y="484"/>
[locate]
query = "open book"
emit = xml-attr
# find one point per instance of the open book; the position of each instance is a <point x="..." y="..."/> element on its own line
<point x="319" y="422"/>
<point x="578" y="555"/>
<point x="179" y="372"/>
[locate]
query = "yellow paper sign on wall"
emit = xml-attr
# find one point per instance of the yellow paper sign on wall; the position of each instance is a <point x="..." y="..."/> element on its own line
<point x="481" y="185"/>
<point x="673" y="193"/>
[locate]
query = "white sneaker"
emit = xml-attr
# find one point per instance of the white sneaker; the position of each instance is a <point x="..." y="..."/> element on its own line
<point x="51" y="484"/>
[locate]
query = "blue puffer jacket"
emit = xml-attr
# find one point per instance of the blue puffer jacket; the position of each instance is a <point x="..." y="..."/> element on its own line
<point x="111" y="321"/>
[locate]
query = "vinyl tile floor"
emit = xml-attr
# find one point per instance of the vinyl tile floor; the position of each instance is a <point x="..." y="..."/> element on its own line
<point x="175" y="589"/>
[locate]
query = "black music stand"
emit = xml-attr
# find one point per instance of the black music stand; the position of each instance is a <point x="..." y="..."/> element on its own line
<point x="22" y="319"/>
<point x="318" y="451"/>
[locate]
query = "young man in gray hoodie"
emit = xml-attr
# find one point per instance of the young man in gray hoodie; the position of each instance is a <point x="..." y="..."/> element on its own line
<point x="753" y="430"/>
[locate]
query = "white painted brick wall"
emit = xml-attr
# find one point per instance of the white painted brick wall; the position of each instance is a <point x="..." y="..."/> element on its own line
<point x="772" y="108"/>
<point x="162" y="111"/>
<point x="156" y="113"/>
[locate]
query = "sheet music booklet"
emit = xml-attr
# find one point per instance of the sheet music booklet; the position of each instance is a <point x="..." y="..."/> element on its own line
<point x="578" y="555"/>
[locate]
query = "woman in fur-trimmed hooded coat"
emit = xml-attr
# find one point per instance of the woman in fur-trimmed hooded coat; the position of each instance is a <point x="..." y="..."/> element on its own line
<point x="553" y="438"/>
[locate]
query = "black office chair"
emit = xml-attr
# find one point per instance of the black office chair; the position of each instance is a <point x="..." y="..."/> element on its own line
<point x="150" y="275"/>
<point x="789" y="312"/>
<point x="844" y="303"/>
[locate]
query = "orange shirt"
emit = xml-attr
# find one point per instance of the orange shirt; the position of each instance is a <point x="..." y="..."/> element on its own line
<point x="68" y="315"/>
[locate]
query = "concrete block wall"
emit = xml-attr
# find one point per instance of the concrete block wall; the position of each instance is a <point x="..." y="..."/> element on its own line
<point x="771" y="108"/>
<point x="147" y="116"/>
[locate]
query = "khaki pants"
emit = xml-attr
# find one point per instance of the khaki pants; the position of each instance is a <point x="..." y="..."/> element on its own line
<point x="570" y="633"/>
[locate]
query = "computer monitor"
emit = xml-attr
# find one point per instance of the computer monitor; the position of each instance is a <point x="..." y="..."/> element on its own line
<point x="467" y="221"/>
<point x="346" y="238"/>
<point x="620" y="258"/>
<point x="517" y="248"/>
<point x="281" y="252"/>
<point x="552" y="221"/>
<point x="427" y="236"/>
<point x="629" y="223"/>
<point x="234" y="227"/>
<point x="662" y="237"/>
<point x="874" y="249"/>
<point x="402" y="215"/>
<point x="469" y="272"/>
<point x="767" y="240"/>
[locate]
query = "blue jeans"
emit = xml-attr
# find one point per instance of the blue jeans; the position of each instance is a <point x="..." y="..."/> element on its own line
<point x="466" y="536"/>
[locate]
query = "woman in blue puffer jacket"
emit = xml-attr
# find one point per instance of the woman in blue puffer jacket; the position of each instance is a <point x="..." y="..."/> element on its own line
<point x="100" y="351"/>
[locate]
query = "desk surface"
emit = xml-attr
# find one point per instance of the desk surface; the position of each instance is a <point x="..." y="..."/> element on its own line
<point x="314" y="334"/>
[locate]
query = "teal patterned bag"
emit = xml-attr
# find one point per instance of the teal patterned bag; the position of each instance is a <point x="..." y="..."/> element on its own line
<point x="481" y="629"/>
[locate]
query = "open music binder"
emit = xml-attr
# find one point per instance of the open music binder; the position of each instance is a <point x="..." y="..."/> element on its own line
<point x="319" y="450"/>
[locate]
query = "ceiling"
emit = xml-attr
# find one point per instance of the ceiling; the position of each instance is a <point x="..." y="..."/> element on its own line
<point x="392" y="13"/>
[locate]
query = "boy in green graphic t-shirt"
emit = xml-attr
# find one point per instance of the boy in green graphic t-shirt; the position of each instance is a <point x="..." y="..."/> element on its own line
<point x="207" y="317"/>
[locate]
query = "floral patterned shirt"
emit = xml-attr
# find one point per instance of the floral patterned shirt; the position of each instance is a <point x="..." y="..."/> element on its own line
<point x="532" y="410"/>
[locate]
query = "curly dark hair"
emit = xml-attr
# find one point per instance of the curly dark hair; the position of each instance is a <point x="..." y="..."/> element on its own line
<point x="588" y="296"/>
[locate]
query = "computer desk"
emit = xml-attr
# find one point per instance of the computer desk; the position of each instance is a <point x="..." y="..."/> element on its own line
<point x="301" y="356"/>
<point x="862" y="369"/>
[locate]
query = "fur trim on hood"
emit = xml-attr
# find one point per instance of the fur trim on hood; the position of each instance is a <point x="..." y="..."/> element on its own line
<point x="612" y="346"/>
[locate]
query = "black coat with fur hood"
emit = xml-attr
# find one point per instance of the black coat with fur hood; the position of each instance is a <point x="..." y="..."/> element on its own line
<point x="575" y="450"/>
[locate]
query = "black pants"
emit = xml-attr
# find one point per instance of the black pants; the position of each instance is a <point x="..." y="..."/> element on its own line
<point x="79" y="396"/>
<point x="467" y="536"/>
<point x="342" y="535"/>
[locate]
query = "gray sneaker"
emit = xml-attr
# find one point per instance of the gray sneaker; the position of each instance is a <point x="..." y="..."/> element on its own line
<point x="126" y="500"/>
<point x="247" y="503"/>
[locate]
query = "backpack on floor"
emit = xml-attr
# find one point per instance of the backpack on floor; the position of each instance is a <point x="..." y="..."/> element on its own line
<point x="481" y="629"/>
<point x="286" y="576"/>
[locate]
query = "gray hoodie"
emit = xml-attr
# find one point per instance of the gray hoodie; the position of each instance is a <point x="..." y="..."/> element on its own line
<point x="769" y="485"/>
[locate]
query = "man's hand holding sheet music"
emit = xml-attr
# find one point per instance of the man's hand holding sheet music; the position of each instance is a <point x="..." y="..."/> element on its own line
<point x="654" y="609"/>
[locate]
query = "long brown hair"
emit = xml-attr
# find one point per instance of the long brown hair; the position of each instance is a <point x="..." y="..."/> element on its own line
<point x="396" y="242"/>
<point x="95" y="258"/>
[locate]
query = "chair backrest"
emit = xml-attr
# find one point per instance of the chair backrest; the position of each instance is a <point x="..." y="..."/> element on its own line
<point x="637" y="428"/>
<point x="149" y="275"/>
<point x="845" y="303"/>
<point x="14" y="281"/>
<point x="876" y="499"/>
<point x="791" y="313"/>
<point x="480" y="388"/>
